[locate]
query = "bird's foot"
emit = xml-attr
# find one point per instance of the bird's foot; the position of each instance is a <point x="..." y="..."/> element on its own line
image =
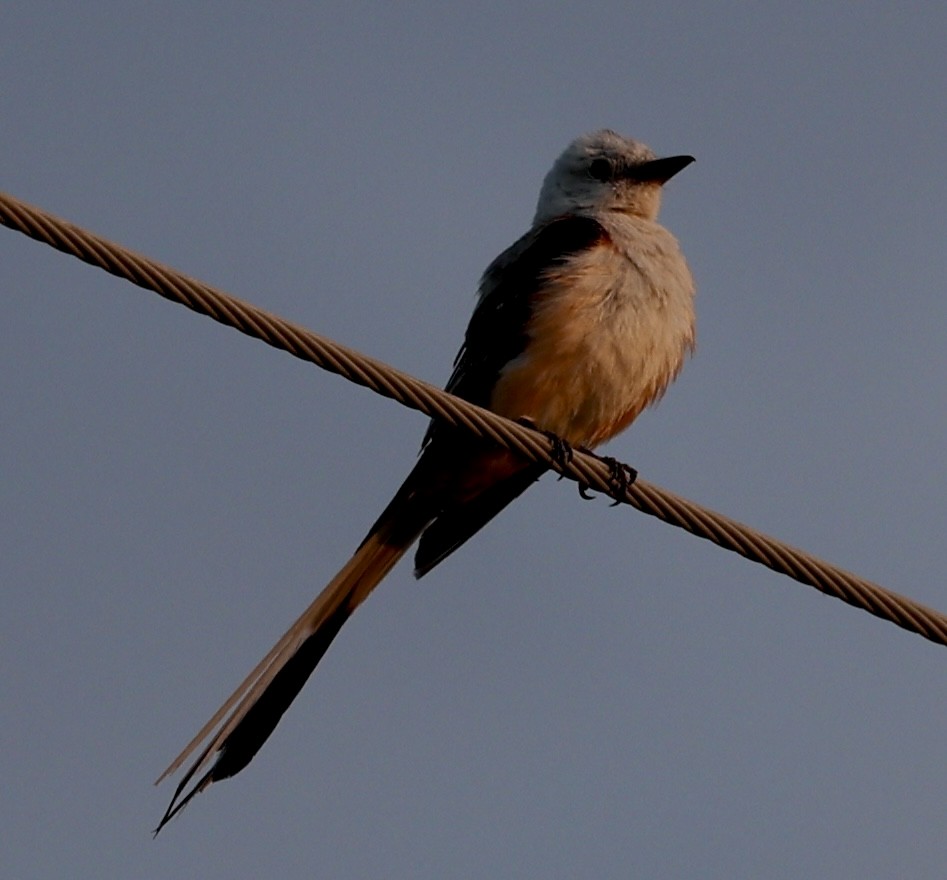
<point x="620" y="476"/>
<point x="561" y="452"/>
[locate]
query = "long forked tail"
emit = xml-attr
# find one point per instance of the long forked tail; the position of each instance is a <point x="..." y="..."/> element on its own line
<point x="243" y="723"/>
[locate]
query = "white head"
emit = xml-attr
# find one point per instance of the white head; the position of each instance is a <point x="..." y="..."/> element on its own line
<point x="603" y="171"/>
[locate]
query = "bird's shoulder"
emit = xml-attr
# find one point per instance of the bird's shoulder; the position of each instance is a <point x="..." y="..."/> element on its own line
<point x="523" y="263"/>
<point x="511" y="285"/>
<point x="512" y="282"/>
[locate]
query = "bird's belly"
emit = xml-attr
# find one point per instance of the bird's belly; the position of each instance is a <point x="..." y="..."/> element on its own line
<point x="585" y="377"/>
<point x="580" y="405"/>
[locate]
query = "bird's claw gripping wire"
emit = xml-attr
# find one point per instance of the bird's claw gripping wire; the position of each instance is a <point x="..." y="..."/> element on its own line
<point x="620" y="476"/>
<point x="561" y="452"/>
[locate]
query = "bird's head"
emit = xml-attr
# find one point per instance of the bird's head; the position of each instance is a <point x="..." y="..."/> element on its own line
<point x="603" y="171"/>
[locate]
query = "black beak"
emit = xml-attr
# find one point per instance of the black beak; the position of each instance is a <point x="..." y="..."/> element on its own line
<point x="660" y="170"/>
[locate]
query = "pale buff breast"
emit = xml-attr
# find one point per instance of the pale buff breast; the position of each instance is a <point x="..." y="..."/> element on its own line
<point x="609" y="335"/>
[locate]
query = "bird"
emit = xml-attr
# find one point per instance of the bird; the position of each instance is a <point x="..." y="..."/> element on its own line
<point x="579" y="325"/>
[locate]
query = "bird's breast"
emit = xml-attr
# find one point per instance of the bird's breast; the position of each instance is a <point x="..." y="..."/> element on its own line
<point x="608" y="331"/>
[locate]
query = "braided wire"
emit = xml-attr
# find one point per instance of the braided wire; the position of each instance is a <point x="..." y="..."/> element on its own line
<point x="585" y="468"/>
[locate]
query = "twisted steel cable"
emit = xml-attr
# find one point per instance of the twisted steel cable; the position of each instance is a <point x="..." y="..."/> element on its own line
<point x="589" y="470"/>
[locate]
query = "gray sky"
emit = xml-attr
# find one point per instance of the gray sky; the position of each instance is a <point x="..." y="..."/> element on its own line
<point x="581" y="691"/>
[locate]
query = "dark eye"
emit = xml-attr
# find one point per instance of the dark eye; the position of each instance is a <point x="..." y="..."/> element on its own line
<point x="600" y="169"/>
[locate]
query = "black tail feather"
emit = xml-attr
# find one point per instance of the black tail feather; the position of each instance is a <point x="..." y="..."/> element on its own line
<point x="247" y="738"/>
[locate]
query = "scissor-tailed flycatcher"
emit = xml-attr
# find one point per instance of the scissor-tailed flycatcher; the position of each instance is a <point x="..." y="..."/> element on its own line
<point x="579" y="326"/>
